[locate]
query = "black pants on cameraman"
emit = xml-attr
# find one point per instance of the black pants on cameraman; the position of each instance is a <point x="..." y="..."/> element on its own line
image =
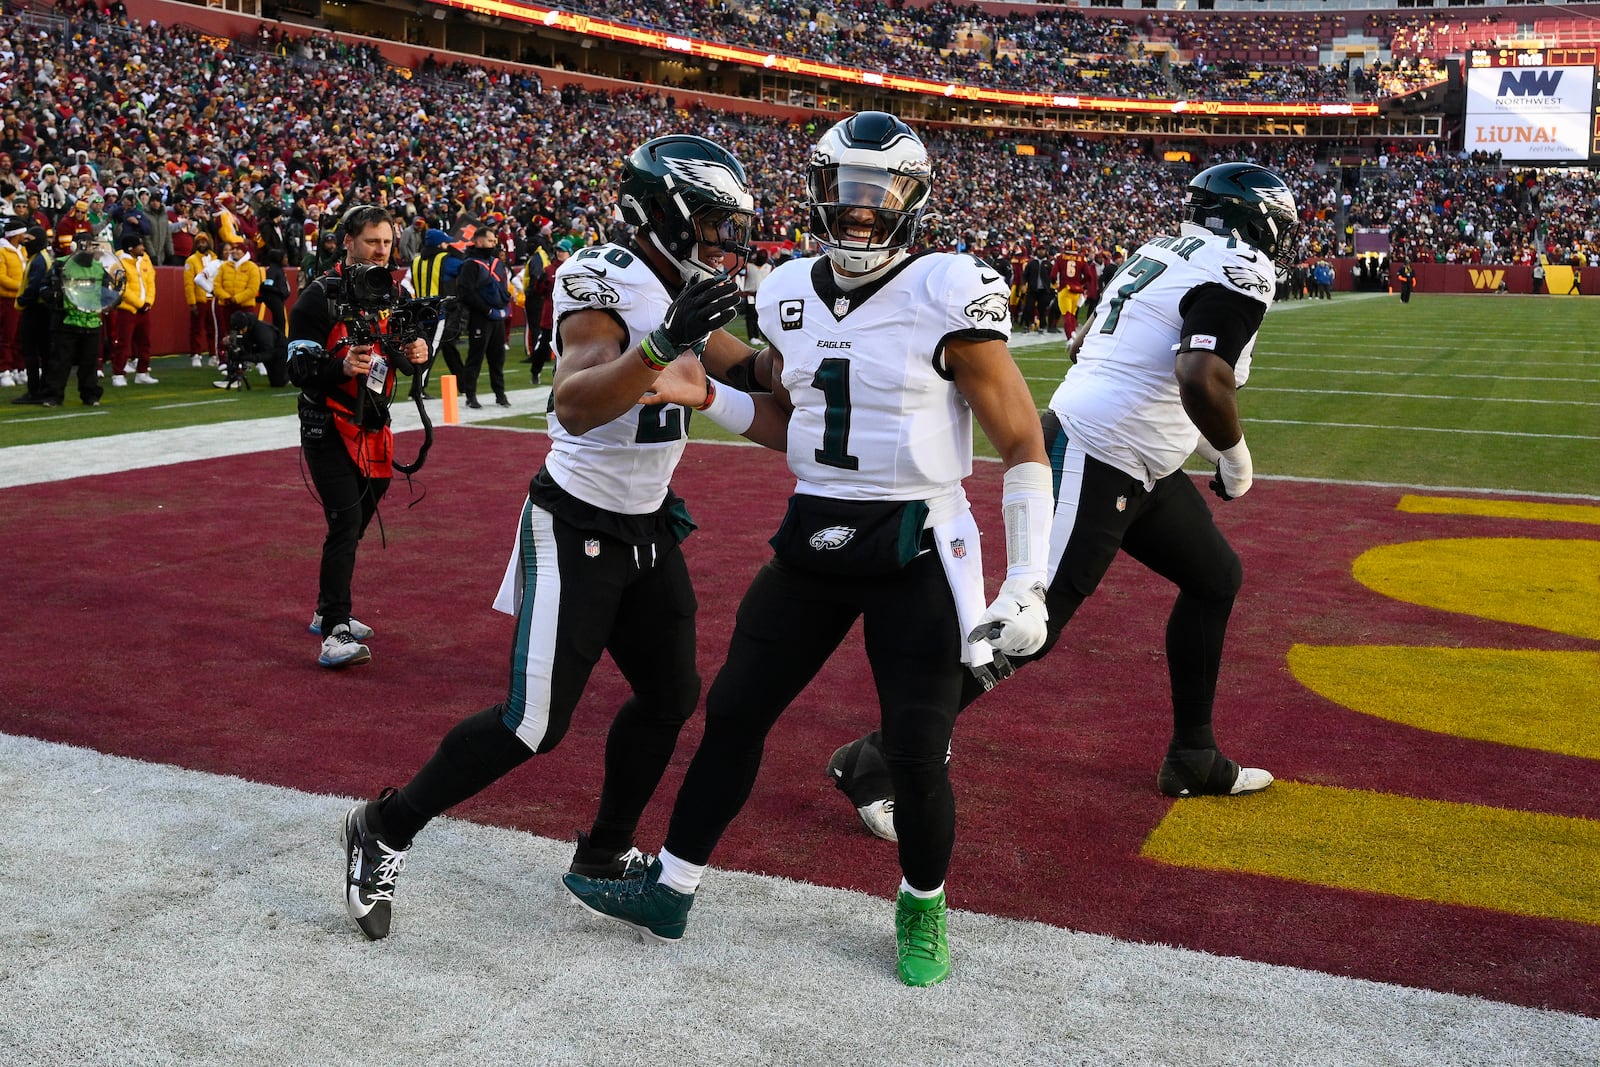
<point x="73" y="347"/>
<point x="486" y="337"/>
<point x="349" y="500"/>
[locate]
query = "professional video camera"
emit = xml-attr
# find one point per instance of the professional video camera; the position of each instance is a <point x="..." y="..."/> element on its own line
<point x="239" y="356"/>
<point x="374" y="312"/>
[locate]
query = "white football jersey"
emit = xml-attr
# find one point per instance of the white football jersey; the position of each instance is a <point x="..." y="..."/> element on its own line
<point x="876" y="416"/>
<point x="625" y="465"/>
<point x="1120" y="401"/>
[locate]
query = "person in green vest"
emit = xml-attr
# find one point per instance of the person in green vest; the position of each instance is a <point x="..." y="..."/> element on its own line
<point x="83" y="289"/>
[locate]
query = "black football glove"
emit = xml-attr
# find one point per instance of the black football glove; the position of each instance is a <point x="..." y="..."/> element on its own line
<point x="708" y="304"/>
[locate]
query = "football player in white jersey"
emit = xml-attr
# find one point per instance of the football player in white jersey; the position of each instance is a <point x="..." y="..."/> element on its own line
<point x="880" y="360"/>
<point x="1156" y="371"/>
<point x="596" y="565"/>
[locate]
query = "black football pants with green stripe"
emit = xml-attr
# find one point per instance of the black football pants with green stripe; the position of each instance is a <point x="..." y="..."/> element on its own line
<point x="583" y="594"/>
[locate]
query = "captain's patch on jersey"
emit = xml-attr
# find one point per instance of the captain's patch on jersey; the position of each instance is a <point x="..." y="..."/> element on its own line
<point x="1245" y="278"/>
<point x="990" y="307"/>
<point x="590" y="288"/>
<point x="1203" y="340"/>
<point x="792" y="314"/>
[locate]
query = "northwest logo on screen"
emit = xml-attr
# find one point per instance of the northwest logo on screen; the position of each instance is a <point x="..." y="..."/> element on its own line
<point x="1530" y="86"/>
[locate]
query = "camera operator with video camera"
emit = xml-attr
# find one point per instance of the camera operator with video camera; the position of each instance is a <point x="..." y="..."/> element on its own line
<point x="254" y="342"/>
<point x="347" y="379"/>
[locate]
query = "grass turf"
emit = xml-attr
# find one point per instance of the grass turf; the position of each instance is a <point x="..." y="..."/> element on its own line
<point x="1475" y="391"/>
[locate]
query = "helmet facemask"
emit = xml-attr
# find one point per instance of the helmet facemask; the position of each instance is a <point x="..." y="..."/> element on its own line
<point x="679" y="235"/>
<point x="684" y="194"/>
<point x="841" y="193"/>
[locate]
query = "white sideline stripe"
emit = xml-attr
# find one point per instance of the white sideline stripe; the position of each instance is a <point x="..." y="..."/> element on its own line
<point x="53" y="418"/>
<point x="57" y="460"/>
<point x="1311" y="353"/>
<point x="1426" y="429"/>
<point x="201" y="918"/>
<point x="1289" y="368"/>
<point x="197" y="403"/>
<point x="1421" y="396"/>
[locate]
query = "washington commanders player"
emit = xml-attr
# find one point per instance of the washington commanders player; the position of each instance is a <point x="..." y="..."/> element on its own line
<point x="880" y="360"/>
<point x="1156" y="370"/>
<point x="596" y="565"/>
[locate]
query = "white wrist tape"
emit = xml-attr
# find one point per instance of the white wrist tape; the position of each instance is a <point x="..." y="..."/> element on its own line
<point x="1027" y="503"/>
<point x="729" y="408"/>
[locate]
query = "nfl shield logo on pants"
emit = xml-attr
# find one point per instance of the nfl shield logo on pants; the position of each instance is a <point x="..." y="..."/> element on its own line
<point x="958" y="547"/>
<point x="591" y="548"/>
<point x="1122" y="503"/>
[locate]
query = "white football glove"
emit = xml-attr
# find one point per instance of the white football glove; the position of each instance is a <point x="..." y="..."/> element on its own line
<point x="1014" y="623"/>
<point x="1234" y="472"/>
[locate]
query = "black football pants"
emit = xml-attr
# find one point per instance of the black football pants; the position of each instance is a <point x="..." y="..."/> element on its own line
<point x="788" y="625"/>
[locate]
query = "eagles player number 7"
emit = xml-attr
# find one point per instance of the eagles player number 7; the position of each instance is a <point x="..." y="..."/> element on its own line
<point x="1141" y="272"/>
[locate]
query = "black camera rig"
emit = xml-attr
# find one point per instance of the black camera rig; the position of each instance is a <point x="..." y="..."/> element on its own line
<point x="373" y="311"/>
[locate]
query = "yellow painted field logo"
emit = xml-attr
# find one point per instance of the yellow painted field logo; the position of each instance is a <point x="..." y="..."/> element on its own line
<point x="1524" y="698"/>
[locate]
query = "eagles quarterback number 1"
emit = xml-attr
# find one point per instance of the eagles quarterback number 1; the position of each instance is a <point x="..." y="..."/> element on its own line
<point x="1141" y="272"/>
<point x="833" y="379"/>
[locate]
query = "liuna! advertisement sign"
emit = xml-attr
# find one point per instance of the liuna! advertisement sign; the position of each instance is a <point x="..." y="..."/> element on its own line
<point x="1531" y="114"/>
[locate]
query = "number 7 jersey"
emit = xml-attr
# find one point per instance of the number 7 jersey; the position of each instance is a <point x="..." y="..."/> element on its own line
<point x="1120" y="401"/>
<point x="876" y="415"/>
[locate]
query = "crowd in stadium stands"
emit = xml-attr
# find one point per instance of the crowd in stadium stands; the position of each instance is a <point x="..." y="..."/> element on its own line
<point x="1054" y="49"/>
<point x="268" y="141"/>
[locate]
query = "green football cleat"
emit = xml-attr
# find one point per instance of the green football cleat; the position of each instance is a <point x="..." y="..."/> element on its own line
<point x="656" y="911"/>
<point x="919" y="933"/>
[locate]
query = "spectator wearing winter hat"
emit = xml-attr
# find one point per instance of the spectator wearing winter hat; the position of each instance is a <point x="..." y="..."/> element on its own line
<point x="130" y="321"/>
<point x="408" y="245"/>
<point x="13" y="272"/>
<point x="71" y="224"/>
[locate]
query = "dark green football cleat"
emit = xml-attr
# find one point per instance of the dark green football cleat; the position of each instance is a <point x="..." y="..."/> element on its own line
<point x="656" y="911"/>
<point x="919" y="933"/>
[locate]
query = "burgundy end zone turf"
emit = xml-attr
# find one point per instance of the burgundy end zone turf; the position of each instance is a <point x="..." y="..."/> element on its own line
<point x="163" y="615"/>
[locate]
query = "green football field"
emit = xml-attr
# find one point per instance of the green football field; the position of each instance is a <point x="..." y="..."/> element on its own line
<point x="1487" y="392"/>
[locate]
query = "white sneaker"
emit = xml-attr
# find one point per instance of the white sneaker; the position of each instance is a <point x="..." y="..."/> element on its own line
<point x="130" y="366"/>
<point x="6" y="380"/>
<point x="213" y="362"/>
<point x="879" y="818"/>
<point x="340" y="649"/>
<point x="195" y="361"/>
<point x="224" y="384"/>
<point x="117" y="379"/>
<point x="358" y="629"/>
<point x="145" y="379"/>
<point x="261" y="370"/>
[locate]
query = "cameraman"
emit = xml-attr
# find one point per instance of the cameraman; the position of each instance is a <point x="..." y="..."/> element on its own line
<point x="255" y="341"/>
<point x="345" y="391"/>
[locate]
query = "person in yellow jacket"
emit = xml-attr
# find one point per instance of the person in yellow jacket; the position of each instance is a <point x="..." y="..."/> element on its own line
<point x="130" y="321"/>
<point x="13" y="271"/>
<point x="238" y="285"/>
<point x="199" y="277"/>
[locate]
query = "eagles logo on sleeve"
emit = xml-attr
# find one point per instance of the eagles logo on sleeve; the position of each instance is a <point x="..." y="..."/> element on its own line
<point x="990" y="307"/>
<point x="590" y="288"/>
<point x="1250" y="281"/>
